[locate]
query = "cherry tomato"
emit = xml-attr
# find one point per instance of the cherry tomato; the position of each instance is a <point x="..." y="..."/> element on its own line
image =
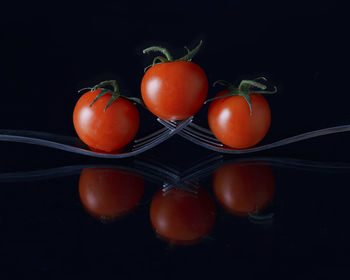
<point x="182" y="217"/>
<point x="244" y="188"/>
<point x="105" y="130"/>
<point x="108" y="193"/>
<point x="232" y="123"/>
<point x="174" y="90"/>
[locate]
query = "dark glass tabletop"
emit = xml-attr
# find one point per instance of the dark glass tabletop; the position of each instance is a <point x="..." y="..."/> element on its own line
<point x="205" y="215"/>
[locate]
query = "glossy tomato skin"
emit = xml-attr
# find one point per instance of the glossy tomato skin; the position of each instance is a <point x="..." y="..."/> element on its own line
<point x="182" y="217"/>
<point x="174" y="90"/>
<point x="244" y="188"/>
<point x="109" y="193"/>
<point x="230" y="121"/>
<point x="108" y="130"/>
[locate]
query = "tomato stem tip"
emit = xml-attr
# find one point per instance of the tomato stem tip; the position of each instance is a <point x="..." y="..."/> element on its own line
<point x="191" y="53"/>
<point x="82" y="89"/>
<point x="159" y="49"/>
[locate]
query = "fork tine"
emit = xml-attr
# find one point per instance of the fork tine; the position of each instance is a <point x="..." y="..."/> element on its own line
<point x="162" y="136"/>
<point x="179" y="185"/>
<point x="140" y="140"/>
<point x="190" y="133"/>
<point x="169" y="124"/>
<point x="149" y="140"/>
<point x="201" y="132"/>
<point x="202" y="129"/>
<point x="175" y="125"/>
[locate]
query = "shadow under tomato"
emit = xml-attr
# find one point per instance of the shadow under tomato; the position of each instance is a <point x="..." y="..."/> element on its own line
<point x="110" y="193"/>
<point x="244" y="188"/>
<point x="182" y="217"/>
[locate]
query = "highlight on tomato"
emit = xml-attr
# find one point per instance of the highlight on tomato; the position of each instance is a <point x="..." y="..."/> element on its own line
<point x="240" y="117"/>
<point x="244" y="188"/>
<point x="104" y="119"/>
<point x="182" y="217"/>
<point x="109" y="193"/>
<point x="174" y="89"/>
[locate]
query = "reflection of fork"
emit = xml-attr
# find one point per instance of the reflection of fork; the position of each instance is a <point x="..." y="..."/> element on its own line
<point x="204" y="137"/>
<point x="158" y="172"/>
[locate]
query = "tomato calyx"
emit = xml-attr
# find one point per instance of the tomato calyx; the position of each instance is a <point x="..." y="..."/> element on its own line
<point x="244" y="89"/>
<point x="168" y="57"/>
<point x="115" y="93"/>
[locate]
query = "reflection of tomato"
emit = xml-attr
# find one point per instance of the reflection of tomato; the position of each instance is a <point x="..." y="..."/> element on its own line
<point x="107" y="193"/>
<point x="243" y="188"/>
<point x="182" y="217"/>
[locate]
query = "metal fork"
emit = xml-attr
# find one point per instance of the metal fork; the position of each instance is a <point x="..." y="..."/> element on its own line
<point x="195" y="133"/>
<point x="201" y="136"/>
<point x="74" y="145"/>
<point x="186" y="128"/>
<point x="157" y="137"/>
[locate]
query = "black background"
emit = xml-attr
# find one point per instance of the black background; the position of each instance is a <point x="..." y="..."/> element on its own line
<point x="50" y="50"/>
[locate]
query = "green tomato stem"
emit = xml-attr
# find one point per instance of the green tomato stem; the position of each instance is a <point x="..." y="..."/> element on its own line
<point x="159" y="49"/>
<point x="245" y="88"/>
<point x="190" y="53"/>
<point x="223" y="83"/>
<point x="115" y="93"/>
<point x="112" y="83"/>
<point x="247" y="84"/>
<point x="168" y="57"/>
<point x="159" y="58"/>
<point x="98" y="96"/>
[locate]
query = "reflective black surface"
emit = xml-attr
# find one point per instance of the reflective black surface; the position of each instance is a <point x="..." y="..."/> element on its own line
<point x="279" y="214"/>
<point x="248" y="217"/>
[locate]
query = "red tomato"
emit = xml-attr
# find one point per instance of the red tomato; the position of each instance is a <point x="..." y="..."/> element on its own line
<point x="174" y="90"/>
<point x="182" y="217"/>
<point x="108" y="130"/>
<point x="230" y="120"/>
<point x="244" y="188"/>
<point x="108" y="193"/>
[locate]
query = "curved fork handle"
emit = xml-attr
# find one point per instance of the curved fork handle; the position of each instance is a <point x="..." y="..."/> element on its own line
<point x="71" y="144"/>
<point x="279" y="143"/>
